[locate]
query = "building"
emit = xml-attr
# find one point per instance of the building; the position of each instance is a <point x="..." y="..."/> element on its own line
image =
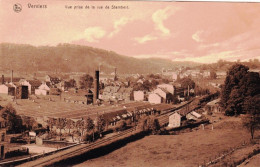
<point x="44" y="89"/>
<point x="175" y="120"/>
<point x="7" y="89"/>
<point x="165" y="94"/>
<point x="53" y="80"/>
<point x="89" y="97"/>
<point x="115" y="93"/>
<point x="155" y="98"/>
<point x="213" y="106"/>
<point x="32" y="85"/>
<point x="141" y="81"/>
<point x="139" y="95"/>
<point x="174" y="76"/>
<point x="22" y="92"/>
<point x="168" y="87"/>
<point x="193" y="116"/>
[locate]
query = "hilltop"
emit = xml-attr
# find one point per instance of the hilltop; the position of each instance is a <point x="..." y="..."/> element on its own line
<point x="76" y="58"/>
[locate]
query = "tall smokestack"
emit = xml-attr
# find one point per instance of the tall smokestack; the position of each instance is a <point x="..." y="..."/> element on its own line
<point x="96" y="87"/>
<point x="3" y="79"/>
<point x="115" y="77"/>
<point x="12" y="76"/>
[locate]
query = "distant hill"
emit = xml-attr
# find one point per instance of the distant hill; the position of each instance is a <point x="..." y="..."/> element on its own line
<point x="76" y="58"/>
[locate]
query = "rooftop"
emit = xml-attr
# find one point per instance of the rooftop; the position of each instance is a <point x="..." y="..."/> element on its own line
<point x="57" y="108"/>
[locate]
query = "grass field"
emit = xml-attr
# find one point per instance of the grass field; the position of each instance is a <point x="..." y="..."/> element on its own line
<point x="185" y="149"/>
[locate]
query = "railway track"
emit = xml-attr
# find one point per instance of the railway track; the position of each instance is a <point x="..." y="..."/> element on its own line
<point x="78" y="150"/>
<point x="83" y="148"/>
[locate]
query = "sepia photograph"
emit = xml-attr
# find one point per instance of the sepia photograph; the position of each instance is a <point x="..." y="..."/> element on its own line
<point x="129" y="84"/>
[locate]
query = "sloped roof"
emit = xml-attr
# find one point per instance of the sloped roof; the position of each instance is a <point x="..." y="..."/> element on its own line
<point x="53" y="77"/>
<point x="165" y="90"/>
<point x="213" y="102"/>
<point x="48" y="84"/>
<point x="35" y="83"/>
<point x="8" y="85"/>
<point x="109" y="116"/>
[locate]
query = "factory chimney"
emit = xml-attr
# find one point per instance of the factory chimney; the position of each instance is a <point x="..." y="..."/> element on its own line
<point x="12" y="76"/>
<point x="3" y="79"/>
<point x="96" y="87"/>
<point x="115" y="77"/>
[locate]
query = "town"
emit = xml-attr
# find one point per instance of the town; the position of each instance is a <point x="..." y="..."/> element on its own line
<point x="127" y="84"/>
<point x="46" y="114"/>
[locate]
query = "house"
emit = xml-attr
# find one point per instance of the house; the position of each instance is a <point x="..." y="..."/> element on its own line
<point x="14" y="84"/>
<point x="115" y="93"/>
<point x="32" y="85"/>
<point x="141" y="81"/>
<point x="168" y="87"/>
<point x="165" y="94"/>
<point x="7" y="89"/>
<point x="138" y="95"/>
<point x="89" y="96"/>
<point x="193" y="116"/>
<point x="175" y="120"/>
<point x="155" y="98"/>
<point x="124" y="93"/>
<point x="44" y="89"/>
<point x="221" y="74"/>
<point x="213" y="106"/>
<point x="53" y="80"/>
<point x="174" y="76"/>
<point x="22" y="92"/>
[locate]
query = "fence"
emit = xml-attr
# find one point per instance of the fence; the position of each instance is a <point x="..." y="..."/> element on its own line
<point x="229" y="151"/>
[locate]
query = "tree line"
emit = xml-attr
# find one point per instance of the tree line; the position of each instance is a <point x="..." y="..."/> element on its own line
<point x="240" y="94"/>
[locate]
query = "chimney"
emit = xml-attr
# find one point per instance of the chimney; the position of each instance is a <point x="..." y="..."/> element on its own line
<point x="3" y="79"/>
<point x="115" y="77"/>
<point x="96" y="87"/>
<point x="12" y="76"/>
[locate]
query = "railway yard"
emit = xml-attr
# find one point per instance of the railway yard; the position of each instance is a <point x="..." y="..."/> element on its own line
<point x="181" y="139"/>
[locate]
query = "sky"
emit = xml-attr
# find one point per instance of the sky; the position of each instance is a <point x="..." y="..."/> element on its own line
<point x="179" y="31"/>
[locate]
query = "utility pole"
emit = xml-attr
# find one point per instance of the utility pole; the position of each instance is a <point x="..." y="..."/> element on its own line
<point x="188" y="90"/>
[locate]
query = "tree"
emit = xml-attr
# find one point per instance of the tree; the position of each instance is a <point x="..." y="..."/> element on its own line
<point x="212" y="74"/>
<point x="89" y="125"/>
<point x="144" y="123"/>
<point x="14" y="122"/>
<point x="101" y="124"/>
<point x="51" y="123"/>
<point x="155" y="126"/>
<point x="80" y="126"/>
<point x="240" y="85"/>
<point x="154" y="83"/>
<point x="29" y="123"/>
<point x="72" y="83"/>
<point x="221" y="63"/>
<point x="252" y="120"/>
<point x="61" y="124"/>
<point x="86" y="81"/>
<point x="187" y="82"/>
<point x="69" y="124"/>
